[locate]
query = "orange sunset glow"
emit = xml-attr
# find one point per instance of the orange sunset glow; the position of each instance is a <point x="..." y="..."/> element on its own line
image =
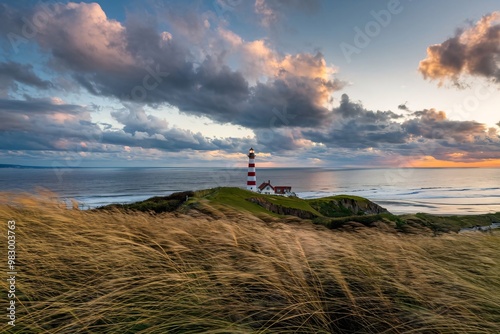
<point x="431" y="162"/>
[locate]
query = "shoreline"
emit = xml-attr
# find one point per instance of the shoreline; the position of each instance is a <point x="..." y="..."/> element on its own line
<point x="401" y="207"/>
<point x="333" y="212"/>
<point x="440" y="192"/>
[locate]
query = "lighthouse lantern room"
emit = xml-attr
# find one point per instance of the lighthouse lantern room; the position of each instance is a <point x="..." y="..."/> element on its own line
<point x="251" y="179"/>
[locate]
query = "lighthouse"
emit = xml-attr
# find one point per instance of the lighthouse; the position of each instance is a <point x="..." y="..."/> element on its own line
<point x="251" y="179"/>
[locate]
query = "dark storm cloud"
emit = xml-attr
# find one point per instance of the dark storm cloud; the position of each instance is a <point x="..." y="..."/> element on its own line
<point x="474" y="51"/>
<point x="280" y="140"/>
<point x="358" y="135"/>
<point x="348" y="109"/>
<point x="52" y="125"/>
<point x="39" y="124"/>
<point x="356" y="127"/>
<point x="284" y="103"/>
<point x="12" y="73"/>
<point x="135" y="62"/>
<point x="11" y="20"/>
<point x="140" y="66"/>
<point x="403" y="106"/>
<point x="423" y="133"/>
<point x="432" y="124"/>
<point x="35" y="105"/>
<point x="185" y="18"/>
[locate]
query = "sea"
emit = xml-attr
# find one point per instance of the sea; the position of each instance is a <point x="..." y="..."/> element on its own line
<point x="444" y="191"/>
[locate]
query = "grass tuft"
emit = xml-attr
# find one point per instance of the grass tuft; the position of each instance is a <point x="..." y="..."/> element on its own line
<point x="111" y="271"/>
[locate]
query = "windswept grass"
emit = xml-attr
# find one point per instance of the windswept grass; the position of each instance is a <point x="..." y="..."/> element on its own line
<point x="114" y="272"/>
<point x="237" y="198"/>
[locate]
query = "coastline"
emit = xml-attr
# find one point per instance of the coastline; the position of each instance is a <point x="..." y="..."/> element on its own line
<point x="399" y="207"/>
<point x="443" y="192"/>
<point x="331" y="211"/>
<point x="219" y="263"/>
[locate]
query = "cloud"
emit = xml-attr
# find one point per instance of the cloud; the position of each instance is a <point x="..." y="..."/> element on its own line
<point x="379" y="133"/>
<point x="44" y="124"/>
<point x="288" y="101"/>
<point x="432" y="124"/>
<point x="403" y="106"/>
<point x="51" y="124"/>
<point x="81" y="37"/>
<point x="149" y="131"/>
<point x="355" y="134"/>
<point x="13" y="73"/>
<point x="355" y="110"/>
<point x="135" y="62"/>
<point x="358" y="128"/>
<point x="282" y="140"/>
<point x="474" y="51"/>
<point x="186" y="21"/>
<point x="272" y="12"/>
<point x="136" y="120"/>
<point x="284" y="98"/>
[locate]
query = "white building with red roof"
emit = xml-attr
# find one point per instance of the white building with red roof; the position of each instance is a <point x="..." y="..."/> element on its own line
<point x="267" y="188"/>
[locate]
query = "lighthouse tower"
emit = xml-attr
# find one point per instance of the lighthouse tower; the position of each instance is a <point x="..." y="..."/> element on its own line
<point x="251" y="179"/>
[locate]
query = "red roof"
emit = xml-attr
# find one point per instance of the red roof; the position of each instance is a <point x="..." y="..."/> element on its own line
<point x="282" y="189"/>
<point x="265" y="184"/>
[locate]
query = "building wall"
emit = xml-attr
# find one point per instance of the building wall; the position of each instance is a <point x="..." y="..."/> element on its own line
<point x="268" y="190"/>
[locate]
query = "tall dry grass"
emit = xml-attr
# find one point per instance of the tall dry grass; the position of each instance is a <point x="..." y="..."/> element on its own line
<point x="115" y="272"/>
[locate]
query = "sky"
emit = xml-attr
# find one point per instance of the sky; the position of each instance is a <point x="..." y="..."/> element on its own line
<point x="335" y="84"/>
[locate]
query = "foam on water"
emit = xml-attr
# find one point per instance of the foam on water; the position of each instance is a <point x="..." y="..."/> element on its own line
<point x="437" y="200"/>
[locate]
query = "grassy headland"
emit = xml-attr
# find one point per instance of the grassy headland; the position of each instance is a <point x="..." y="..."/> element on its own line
<point x="219" y="263"/>
<point x="341" y="211"/>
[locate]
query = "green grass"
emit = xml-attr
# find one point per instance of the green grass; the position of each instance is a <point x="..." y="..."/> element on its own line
<point x="451" y="223"/>
<point x="234" y="198"/>
<point x="332" y="215"/>
<point x="237" y="198"/>
<point x="338" y="197"/>
<point x="329" y="210"/>
<point x="157" y="204"/>
<point x="342" y="206"/>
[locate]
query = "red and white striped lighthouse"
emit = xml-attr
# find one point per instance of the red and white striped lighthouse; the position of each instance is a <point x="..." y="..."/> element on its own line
<point x="251" y="179"/>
